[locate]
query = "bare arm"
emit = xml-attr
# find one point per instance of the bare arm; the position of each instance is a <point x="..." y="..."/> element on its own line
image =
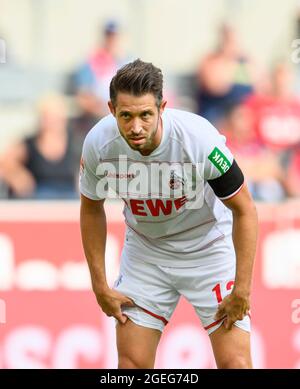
<point x="93" y="233"/>
<point x="244" y="234"/>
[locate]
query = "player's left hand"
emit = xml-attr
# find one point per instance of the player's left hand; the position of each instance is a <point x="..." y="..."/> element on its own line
<point x="234" y="307"/>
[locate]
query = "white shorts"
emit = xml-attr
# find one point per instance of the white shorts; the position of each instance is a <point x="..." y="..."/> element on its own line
<point x="156" y="289"/>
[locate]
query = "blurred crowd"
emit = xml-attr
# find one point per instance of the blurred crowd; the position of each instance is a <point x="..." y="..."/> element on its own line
<point x="258" y="111"/>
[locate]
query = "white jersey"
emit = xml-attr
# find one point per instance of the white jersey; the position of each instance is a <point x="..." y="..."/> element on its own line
<point x="167" y="228"/>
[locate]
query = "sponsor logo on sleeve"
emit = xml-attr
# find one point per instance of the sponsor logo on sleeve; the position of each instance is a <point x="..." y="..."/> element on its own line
<point x="218" y="159"/>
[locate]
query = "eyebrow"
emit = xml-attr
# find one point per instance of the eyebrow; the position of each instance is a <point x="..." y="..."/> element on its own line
<point x="149" y="110"/>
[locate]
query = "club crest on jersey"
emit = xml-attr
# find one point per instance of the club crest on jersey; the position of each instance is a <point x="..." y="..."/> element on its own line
<point x="175" y="181"/>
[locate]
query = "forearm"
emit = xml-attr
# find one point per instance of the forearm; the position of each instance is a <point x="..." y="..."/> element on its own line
<point x="93" y="233"/>
<point x="244" y="236"/>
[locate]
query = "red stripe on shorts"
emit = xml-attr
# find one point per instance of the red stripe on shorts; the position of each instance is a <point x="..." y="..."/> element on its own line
<point x="154" y="315"/>
<point x="214" y="323"/>
<point x="218" y="321"/>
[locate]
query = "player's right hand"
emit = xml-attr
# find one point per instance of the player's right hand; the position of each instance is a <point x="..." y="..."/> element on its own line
<point x="111" y="301"/>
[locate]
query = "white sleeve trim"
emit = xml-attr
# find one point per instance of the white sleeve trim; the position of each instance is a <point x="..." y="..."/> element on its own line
<point x="89" y="195"/>
<point x="232" y="194"/>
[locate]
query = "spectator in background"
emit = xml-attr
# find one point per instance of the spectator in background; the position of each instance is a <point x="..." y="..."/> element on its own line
<point x="92" y="83"/>
<point x="86" y="117"/>
<point x="42" y="166"/>
<point x="262" y="169"/>
<point x="93" y="78"/>
<point x="276" y="113"/>
<point x="225" y="76"/>
<point x="276" y="121"/>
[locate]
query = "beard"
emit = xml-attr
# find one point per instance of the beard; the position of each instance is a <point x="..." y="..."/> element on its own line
<point x="148" y="145"/>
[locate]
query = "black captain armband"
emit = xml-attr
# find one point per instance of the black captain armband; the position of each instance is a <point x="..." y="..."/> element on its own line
<point x="229" y="183"/>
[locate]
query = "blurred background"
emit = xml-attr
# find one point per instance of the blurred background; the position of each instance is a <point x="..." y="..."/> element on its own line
<point x="235" y="62"/>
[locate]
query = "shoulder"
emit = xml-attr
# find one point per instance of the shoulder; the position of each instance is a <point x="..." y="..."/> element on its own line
<point x="187" y="119"/>
<point x="104" y="132"/>
<point x="192" y="129"/>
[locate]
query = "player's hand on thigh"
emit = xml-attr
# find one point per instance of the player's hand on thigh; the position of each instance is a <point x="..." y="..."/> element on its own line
<point x="111" y="301"/>
<point x="233" y="307"/>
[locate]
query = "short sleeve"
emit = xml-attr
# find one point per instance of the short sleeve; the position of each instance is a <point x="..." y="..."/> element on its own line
<point x="88" y="179"/>
<point x="217" y="157"/>
<point x="221" y="171"/>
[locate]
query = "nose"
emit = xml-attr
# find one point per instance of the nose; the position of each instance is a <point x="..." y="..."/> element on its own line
<point x="136" y="127"/>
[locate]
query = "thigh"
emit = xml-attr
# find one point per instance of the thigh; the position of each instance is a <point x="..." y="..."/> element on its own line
<point x="151" y="290"/>
<point x="136" y="345"/>
<point x="231" y="347"/>
<point x="205" y="286"/>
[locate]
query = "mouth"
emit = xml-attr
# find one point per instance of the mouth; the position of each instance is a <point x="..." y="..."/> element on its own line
<point x="137" y="141"/>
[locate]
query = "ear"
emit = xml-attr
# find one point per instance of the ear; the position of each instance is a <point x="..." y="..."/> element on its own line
<point x="162" y="106"/>
<point x="111" y="108"/>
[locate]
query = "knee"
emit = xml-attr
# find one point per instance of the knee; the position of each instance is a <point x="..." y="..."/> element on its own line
<point x="235" y="362"/>
<point x="127" y="362"/>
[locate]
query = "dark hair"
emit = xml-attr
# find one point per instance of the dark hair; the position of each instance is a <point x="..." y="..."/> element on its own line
<point x="137" y="78"/>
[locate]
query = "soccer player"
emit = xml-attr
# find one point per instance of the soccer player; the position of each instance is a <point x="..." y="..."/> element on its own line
<point x="198" y="240"/>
